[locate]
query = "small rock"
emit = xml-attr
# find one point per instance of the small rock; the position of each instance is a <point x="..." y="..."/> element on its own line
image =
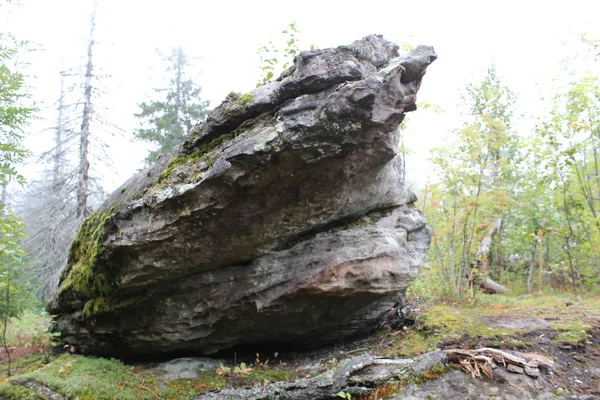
<point x="516" y="369"/>
<point x="532" y="371"/>
<point x="186" y="368"/>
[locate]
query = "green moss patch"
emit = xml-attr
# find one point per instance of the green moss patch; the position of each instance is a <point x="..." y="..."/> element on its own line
<point x="245" y="99"/>
<point x="87" y="378"/>
<point x="205" y="148"/>
<point x="497" y="321"/>
<point x="96" y="306"/>
<point x="17" y="392"/>
<point x="83" y="276"/>
<point x="90" y="378"/>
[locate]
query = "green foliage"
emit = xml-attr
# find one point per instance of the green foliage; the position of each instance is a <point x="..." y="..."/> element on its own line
<point x="278" y="55"/>
<point x="167" y="122"/>
<point x="569" y="180"/>
<point x="545" y="189"/>
<point x="344" y="395"/>
<point x="245" y="99"/>
<point x="15" y="111"/>
<point x="25" y="329"/>
<point x="477" y="182"/>
<point x="15" y="115"/>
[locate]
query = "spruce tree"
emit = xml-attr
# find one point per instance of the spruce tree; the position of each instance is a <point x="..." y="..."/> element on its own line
<point x="167" y="121"/>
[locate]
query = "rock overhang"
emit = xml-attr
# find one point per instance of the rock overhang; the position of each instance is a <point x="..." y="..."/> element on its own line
<point x="286" y="204"/>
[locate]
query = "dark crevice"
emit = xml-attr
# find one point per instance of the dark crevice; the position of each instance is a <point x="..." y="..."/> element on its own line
<point x="334" y="225"/>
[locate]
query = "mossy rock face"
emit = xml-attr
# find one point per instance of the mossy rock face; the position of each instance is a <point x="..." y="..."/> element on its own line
<point x="285" y="206"/>
<point x="83" y="257"/>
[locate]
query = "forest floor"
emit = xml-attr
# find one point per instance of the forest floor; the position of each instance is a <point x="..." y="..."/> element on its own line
<point x="562" y="328"/>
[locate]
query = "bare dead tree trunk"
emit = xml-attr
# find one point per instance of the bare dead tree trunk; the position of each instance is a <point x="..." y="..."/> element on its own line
<point x="84" y="162"/>
<point x="466" y="270"/>
<point x="178" y="78"/>
<point x="58" y="136"/>
<point x="482" y="257"/>
<point x="500" y="253"/>
<point x="482" y="260"/>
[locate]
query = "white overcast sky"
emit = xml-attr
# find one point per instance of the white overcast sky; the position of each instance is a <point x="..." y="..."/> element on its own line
<point x="524" y="38"/>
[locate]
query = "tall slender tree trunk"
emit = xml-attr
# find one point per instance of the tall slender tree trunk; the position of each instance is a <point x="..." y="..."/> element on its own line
<point x="570" y="235"/>
<point x="178" y="96"/>
<point x="6" y="319"/>
<point x="531" y="268"/>
<point x="84" y="162"/>
<point x="466" y="272"/>
<point x="483" y="255"/>
<point x="500" y="254"/>
<point x="452" y="250"/>
<point x="541" y="259"/>
<point x="58" y="137"/>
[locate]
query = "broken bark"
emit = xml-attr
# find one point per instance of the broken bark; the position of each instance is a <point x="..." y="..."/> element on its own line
<point x="482" y="260"/>
<point x="359" y="376"/>
<point x="492" y="287"/>
<point x="482" y="257"/>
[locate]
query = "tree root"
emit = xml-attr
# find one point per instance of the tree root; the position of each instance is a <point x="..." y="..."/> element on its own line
<point x="358" y="376"/>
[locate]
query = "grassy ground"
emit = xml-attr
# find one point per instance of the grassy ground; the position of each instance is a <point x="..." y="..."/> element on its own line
<point x="562" y="327"/>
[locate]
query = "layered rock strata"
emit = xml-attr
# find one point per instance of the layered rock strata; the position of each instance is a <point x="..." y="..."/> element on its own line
<point x="283" y="218"/>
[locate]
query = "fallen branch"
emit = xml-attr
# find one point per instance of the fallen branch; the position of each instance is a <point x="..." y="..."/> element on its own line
<point x="486" y="360"/>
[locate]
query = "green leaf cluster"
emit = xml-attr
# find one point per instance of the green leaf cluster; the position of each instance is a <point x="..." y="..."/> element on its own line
<point x="543" y="185"/>
<point x="477" y="174"/>
<point x="278" y="55"/>
<point x="15" y="114"/>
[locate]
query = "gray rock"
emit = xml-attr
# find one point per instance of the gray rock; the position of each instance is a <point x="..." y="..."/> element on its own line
<point x="458" y="385"/>
<point x="283" y="218"/>
<point x="185" y="368"/>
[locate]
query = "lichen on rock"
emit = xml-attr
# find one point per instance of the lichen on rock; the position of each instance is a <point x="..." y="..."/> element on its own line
<point x="281" y="218"/>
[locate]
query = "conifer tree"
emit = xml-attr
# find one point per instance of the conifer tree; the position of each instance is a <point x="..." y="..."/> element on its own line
<point x="167" y="121"/>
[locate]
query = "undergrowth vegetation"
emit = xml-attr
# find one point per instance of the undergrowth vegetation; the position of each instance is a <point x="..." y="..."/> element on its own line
<point x="562" y="320"/>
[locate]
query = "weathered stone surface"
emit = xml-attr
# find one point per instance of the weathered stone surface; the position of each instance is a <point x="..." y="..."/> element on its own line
<point x="283" y="218"/>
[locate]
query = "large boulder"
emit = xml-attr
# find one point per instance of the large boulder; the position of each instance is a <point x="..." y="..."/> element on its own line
<point x="283" y="218"/>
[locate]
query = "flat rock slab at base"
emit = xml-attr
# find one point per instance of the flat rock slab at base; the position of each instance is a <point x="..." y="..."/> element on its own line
<point x="185" y="368"/>
<point x="282" y="218"/>
<point x="520" y="323"/>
